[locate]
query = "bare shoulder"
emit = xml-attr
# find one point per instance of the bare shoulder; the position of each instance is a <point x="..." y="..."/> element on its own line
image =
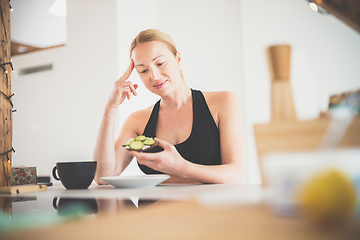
<point x="222" y="104"/>
<point x="220" y="99"/>
<point x="141" y="113"/>
<point x="133" y="126"/>
<point x="138" y="119"/>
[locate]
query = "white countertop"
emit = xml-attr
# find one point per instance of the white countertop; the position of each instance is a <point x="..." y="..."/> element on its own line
<point x="205" y="194"/>
<point x="162" y="191"/>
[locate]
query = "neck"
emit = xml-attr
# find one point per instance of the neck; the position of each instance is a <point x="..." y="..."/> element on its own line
<point x="177" y="99"/>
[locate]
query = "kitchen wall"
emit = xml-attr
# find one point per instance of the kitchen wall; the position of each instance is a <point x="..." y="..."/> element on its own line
<point x="60" y="110"/>
<point x="222" y="44"/>
<point x="325" y="60"/>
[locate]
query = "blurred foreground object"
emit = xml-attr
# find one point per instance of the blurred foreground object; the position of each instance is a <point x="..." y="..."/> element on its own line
<point x="328" y="197"/>
<point x="288" y="174"/>
<point x="350" y="100"/>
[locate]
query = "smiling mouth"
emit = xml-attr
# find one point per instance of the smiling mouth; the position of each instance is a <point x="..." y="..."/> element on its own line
<point x="160" y="85"/>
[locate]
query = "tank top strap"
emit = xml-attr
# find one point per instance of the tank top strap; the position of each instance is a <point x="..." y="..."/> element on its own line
<point x="150" y="129"/>
<point x="201" y="111"/>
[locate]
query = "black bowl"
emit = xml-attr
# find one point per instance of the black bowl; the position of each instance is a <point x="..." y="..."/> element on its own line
<point x="75" y="175"/>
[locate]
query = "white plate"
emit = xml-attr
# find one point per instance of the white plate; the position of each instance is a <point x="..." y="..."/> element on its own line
<point x="141" y="181"/>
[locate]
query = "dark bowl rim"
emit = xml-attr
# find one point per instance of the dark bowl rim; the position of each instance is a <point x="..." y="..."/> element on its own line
<point x="77" y="162"/>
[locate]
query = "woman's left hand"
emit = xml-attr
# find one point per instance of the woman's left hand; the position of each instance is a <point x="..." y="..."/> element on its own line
<point x="168" y="161"/>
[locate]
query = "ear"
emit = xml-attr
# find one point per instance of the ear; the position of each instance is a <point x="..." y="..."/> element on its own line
<point x="178" y="58"/>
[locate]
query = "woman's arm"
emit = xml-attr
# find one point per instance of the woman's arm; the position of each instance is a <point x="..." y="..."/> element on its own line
<point x="232" y="138"/>
<point x="225" y="109"/>
<point x="104" y="153"/>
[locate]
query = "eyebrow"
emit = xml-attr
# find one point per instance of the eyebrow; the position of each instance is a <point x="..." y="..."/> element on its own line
<point x="138" y="65"/>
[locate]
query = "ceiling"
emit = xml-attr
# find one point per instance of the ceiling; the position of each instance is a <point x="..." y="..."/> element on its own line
<point x="38" y="24"/>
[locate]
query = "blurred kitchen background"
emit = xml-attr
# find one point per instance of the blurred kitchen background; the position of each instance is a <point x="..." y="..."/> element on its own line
<point x="67" y="55"/>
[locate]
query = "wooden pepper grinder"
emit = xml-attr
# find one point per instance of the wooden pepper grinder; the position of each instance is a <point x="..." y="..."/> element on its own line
<point x="282" y="105"/>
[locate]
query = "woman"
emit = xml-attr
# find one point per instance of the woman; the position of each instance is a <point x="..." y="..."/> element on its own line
<point x="200" y="134"/>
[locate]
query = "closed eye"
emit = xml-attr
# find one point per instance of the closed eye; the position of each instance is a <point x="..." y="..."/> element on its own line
<point x="144" y="71"/>
<point x="159" y="64"/>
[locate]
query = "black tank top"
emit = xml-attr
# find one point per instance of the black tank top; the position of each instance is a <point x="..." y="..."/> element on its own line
<point x="203" y="144"/>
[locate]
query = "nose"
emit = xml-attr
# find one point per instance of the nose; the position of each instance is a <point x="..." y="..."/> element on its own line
<point x="155" y="74"/>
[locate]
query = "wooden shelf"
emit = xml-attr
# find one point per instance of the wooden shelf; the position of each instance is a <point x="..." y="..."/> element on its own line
<point x="347" y="11"/>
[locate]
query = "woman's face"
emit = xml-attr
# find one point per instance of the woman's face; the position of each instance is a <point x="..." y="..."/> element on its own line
<point x="157" y="67"/>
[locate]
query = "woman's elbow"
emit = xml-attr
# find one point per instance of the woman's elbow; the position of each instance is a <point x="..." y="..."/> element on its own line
<point x="100" y="182"/>
<point x="235" y="177"/>
<point x="231" y="180"/>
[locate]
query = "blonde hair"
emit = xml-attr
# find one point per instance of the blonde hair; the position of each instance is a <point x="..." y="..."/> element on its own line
<point x="155" y="35"/>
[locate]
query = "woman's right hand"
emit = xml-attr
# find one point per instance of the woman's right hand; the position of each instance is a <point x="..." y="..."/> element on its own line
<point x="122" y="88"/>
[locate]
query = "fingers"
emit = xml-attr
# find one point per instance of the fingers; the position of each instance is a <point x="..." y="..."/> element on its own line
<point x="133" y="88"/>
<point x="163" y="144"/>
<point x="128" y="71"/>
<point x="126" y="88"/>
<point x="152" y="160"/>
<point x="168" y="161"/>
<point x="123" y="88"/>
<point x="122" y="81"/>
<point x="150" y="156"/>
<point x="143" y="157"/>
<point x="127" y="91"/>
